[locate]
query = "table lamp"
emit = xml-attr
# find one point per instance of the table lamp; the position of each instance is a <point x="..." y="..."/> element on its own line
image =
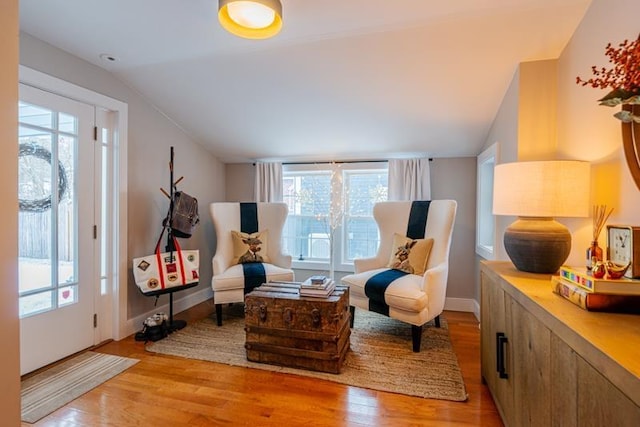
<point x="537" y="192"/>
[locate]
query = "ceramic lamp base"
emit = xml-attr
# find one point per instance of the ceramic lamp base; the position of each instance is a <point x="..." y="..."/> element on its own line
<point x="537" y="245"/>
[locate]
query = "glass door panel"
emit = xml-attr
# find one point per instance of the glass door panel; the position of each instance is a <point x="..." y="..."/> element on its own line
<point x="56" y="198"/>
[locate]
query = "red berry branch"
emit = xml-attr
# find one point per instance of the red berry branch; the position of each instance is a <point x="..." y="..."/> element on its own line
<point x="623" y="79"/>
<point x="624" y="75"/>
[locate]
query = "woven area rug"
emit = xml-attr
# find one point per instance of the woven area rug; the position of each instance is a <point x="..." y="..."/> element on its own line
<point x="380" y="358"/>
<point x="53" y="388"/>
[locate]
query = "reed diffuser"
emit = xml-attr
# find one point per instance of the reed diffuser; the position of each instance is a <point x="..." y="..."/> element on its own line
<point x="594" y="251"/>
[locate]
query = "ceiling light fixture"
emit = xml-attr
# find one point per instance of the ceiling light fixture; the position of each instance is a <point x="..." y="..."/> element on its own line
<point x="251" y="19"/>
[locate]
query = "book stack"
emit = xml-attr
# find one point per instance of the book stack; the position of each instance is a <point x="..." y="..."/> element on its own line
<point x="584" y="279"/>
<point x="589" y="293"/>
<point x="317" y="286"/>
<point x="281" y="287"/>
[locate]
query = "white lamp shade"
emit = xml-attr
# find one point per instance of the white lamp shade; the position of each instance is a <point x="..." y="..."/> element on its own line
<point x="555" y="188"/>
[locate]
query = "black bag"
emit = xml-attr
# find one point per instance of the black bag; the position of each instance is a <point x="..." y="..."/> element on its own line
<point x="154" y="328"/>
<point x="185" y="215"/>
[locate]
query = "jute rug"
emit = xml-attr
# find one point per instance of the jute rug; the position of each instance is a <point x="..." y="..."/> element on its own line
<point x="49" y="390"/>
<point x="380" y="358"/>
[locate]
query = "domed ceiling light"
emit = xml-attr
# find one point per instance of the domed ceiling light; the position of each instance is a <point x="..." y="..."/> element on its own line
<point x="251" y="19"/>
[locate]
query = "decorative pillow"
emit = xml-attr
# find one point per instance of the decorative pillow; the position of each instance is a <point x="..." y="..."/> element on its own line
<point x="250" y="247"/>
<point x="410" y="255"/>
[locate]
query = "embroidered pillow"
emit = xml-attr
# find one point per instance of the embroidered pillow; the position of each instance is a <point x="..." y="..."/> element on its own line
<point x="250" y="247"/>
<point x="410" y="255"/>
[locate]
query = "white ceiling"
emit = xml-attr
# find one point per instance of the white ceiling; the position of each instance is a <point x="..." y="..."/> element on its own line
<point x="345" y="79"/>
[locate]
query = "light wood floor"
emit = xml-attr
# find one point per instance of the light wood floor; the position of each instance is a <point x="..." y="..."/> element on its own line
<point x="171" y="391"/>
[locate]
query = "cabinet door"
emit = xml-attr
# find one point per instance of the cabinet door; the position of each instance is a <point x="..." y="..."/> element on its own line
<point x="494" y="315"/>
<point x="564" y="379"/>
<point x="601" y="403"/>
<point x="531" y="356"/>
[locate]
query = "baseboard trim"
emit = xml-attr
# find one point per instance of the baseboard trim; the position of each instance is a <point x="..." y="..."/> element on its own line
<point x="462" y="304"/>
<point x="476" y="309"/>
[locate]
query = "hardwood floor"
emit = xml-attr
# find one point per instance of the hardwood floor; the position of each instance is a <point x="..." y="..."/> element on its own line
<point x="171" y="391"/>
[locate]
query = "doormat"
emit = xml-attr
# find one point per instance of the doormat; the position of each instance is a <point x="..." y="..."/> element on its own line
<point x="53" y="388"/>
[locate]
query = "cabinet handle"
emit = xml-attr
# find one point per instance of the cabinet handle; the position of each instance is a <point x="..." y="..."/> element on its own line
<point x="501" y="340"/>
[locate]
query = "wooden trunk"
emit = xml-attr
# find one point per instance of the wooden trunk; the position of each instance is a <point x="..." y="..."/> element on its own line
<point x="298" y="332"/>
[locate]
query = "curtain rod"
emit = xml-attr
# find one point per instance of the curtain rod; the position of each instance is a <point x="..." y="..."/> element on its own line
<point x="324" y="162"/>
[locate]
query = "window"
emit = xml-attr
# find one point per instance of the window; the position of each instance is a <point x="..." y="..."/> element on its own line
<point x="485" y="220"/>
<point x="332" y="203"/>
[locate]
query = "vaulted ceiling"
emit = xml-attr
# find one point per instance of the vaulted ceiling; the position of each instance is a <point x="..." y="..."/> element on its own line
<point x="345" y="79"/>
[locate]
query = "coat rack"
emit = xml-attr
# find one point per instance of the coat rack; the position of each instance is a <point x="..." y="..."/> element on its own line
<point x="173" y="188"/>
<point x="174" y="325"/>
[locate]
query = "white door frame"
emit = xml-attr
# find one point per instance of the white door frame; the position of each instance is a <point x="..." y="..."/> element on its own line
<point x="112" y="309"/>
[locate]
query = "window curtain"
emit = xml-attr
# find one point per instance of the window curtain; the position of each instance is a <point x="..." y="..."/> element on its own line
<point x="409" y="179"/>
<point x="268" y="182"/>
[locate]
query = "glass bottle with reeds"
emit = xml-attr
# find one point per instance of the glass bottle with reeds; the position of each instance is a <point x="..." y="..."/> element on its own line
<point x="594" y="251"/>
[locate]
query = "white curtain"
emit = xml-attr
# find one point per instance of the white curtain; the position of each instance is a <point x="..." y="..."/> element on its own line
<point x="409" y="179"/>
<point x="268" y="182"/>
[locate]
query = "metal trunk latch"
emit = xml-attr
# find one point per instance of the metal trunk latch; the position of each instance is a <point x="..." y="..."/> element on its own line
<point x="315" y="317"/>
<point x="287" y="316"/>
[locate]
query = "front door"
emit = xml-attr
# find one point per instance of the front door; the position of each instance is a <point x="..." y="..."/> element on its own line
<point x="57" y="278"/>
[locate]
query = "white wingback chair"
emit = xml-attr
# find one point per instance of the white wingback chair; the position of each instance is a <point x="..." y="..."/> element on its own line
<point x="231" y="281"/>
<point x="411" y="298"/>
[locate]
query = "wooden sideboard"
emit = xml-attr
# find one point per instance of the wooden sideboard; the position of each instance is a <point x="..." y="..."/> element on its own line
<point x="548" y="362"/>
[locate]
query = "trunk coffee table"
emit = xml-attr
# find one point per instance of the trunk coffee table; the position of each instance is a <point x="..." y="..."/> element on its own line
<point x="283" y="328"/>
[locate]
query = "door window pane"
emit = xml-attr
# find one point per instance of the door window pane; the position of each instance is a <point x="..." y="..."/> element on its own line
<point x="47" y="209"/>
<point x="35" y="116"/>
<point x="67" y="295"/>
<point x="36" y="303"/>
<point x="67" y="123"/>
<point x="35" y="217"/>
<point x="66" y="210"/>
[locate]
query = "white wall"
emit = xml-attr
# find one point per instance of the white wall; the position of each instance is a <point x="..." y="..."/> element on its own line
<point x="455" y="178"/>
<point x="537" y="110"/>
<point x="588" y="131"/>
<point x="241" y="181"/>
<point x="9" y="324"/>
<point x="150" y="137"/>
<point x="504" y="132"/>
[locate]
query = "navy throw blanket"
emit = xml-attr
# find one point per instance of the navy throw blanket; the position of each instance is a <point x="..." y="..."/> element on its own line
<point x="377" y="284"/>
<point x="254" y="273"/>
